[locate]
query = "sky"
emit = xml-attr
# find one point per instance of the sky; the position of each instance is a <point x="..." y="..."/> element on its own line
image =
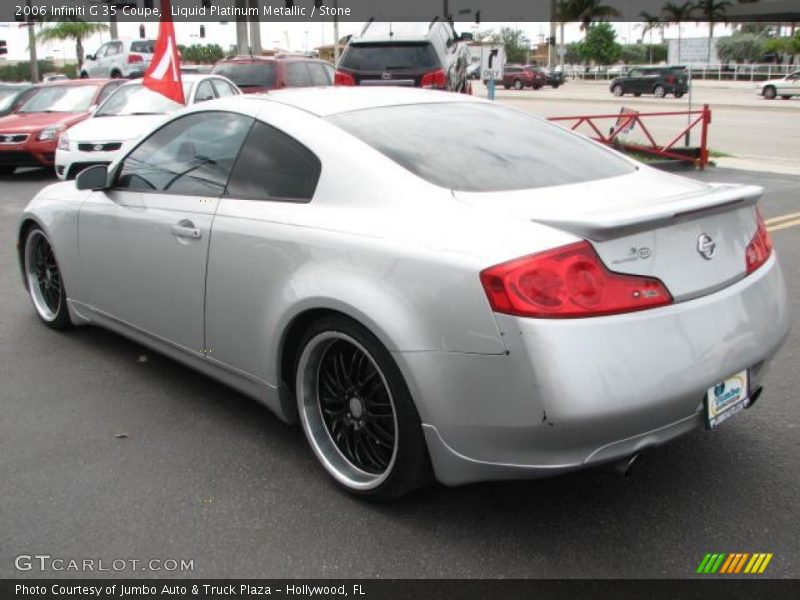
<point x="299" y="36"/>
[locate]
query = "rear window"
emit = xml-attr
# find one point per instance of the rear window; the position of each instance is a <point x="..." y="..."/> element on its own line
<point x="388" y="57"/>
<point x="143" y="46"/>
<point x="260" y="74"/>
<point x="476" y="147"/>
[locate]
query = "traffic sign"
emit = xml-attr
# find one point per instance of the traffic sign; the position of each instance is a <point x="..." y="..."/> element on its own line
<point x="493" y="57"/>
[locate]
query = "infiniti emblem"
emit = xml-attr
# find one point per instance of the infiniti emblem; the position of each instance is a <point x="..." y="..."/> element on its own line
<point x="706" y="246"/>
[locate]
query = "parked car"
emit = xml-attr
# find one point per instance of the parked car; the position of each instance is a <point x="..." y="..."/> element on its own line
<point x="131" y="110"/>
<point x="521" y="76"/>
<point x="474" y="70"/>
<point x="785" y="87"/>
<point x="47" y="77"/>
<point x="119" y="58"/>
<point x="525" y="303"/>
<point x="12" y="96"/>
<point x="30" y="134"/>
<point x="257" y="74"/>
<point x="658" y="81"/>
<point x="552" y="78"/>
<point x="427" y="55"/>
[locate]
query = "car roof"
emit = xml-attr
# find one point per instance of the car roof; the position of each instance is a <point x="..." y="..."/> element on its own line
<point x="380" y="31"/>
<point x="69" y="82"/>
<point x="330" y="100"/>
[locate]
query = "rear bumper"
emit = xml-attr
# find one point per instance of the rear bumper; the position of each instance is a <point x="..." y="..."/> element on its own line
<point x="575" y="393"/>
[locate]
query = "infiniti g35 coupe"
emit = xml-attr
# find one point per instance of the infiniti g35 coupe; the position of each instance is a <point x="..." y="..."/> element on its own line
<point x="435" y="286"/>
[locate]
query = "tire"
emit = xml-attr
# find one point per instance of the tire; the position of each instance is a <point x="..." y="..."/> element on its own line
<point x="116" y="74"/>
<point x="678" y="94"/>
<point x="618" y="91"/>
<point x="506" y="86"/>
<point x="7" y="171"/>
<point x="786" y="97"/>
<point x="351" y="438"/>
<point x="659" y="91"/>
<point x="770" y="92"/>
<point x="43" y="280"/>
<point x="555" y="86"/>
<point x="536" y="87"/>
<point x="518" y="84"/>
<point x="84" y="75"/>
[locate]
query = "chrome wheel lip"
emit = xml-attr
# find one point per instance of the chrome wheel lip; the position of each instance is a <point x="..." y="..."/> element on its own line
<point x="35" y="238"/>
<point x="312" y="419"/>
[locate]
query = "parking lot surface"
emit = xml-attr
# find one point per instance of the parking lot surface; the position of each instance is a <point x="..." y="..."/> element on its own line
<point x="108" y="450"/>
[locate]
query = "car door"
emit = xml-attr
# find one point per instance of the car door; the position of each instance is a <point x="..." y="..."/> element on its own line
<point x="144" y="241"/>
<point x="791" y="85"/>
<point x="633" y="81"/>
<point x="93" y="67"/>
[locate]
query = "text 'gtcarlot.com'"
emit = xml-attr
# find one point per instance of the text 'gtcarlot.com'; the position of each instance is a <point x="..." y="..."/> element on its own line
<point x="46" y="562"/>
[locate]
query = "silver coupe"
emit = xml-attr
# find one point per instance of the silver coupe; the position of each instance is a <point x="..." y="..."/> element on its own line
<point x="435" y="286"/>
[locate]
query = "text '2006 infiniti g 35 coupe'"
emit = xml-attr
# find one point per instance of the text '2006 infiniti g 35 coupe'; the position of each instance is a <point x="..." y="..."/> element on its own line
<point x="435" y="286"/>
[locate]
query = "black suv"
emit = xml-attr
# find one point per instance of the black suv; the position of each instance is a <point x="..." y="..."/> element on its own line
<point x="658" y="81"/>
<point x="429" y="55"/>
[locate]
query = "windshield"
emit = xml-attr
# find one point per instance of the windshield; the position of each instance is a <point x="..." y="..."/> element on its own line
<point x="385" y="57"/>
<point x="260" y="74"/>
<point x="61" y="98"/>
<point x="137" y="100"/>
<point x="488" y="147"/>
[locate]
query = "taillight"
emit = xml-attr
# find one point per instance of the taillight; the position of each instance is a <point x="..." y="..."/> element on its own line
<point x="435" y="79"/>
<point x="568" y="282"/>
<point x="341" y="78"/>
<point x="760" y="247"/>
<point x="135" y="58"/>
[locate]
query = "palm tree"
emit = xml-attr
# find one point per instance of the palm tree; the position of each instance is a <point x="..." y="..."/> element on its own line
<point x="71" y="30"/>
<point x="590" y="11"/>
<point x="678" y="13"/>
<point x="562" y="15"/>
<point x="712" y="11"/>
<point x="649" y="24"/>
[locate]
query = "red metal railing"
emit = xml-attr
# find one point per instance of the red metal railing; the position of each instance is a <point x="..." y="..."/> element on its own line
<point x="625" y="121"/>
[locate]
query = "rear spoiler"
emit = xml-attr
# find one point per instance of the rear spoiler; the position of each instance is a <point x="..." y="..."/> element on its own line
<point x="604" y="224"/>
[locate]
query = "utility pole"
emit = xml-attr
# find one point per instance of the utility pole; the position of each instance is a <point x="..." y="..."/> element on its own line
<point x="242" y="40"/>
<point x="255" y="29"/>
<point x="551" y="42"/>
<point x="335" y="33"/>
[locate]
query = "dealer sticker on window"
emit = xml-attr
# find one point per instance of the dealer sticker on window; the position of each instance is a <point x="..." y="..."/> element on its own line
<point x="726" y="399"/>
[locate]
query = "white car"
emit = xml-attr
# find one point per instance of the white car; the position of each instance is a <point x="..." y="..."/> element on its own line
<point x="785" y="87"/>
<point x="119" y="58"/>
<point x="125" y="115"/>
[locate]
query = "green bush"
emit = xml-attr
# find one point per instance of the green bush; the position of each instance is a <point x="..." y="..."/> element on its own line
<point x="202" y="54"/>
<point x="22" y="71"/>
<point x="740" y="47"/>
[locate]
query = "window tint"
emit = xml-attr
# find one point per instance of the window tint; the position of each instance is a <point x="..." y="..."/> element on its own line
<point x="261" y="74"/>
<point x="318" y="74"/>
<point x="204" y="92"/>
<point x="383" y="57"/>
<point x="114" y="48"/>
<point x="107" y="90"/>
<point x="143" y="46"/>
<point x="274" y="165"/>
<point x="489" y="147"/>
<point x="297" y="74"/>
<point x="223" y="88"/>
<point x="101" y="51"/>
<point x="191" y="155"/>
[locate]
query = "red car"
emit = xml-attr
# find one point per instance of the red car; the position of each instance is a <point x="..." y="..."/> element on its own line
<point x="257" y="74"/>
<point x="28" y="136"/>
<point x="521" y="76"/>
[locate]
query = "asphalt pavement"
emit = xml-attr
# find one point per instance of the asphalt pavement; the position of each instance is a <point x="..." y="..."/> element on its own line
<point x="108" y="451"/>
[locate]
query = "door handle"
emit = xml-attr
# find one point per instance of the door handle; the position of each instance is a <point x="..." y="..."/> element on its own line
<point x="186" y="231"/>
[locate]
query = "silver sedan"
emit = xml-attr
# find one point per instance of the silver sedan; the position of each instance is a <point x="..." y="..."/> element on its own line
<point x="435" y="286"/>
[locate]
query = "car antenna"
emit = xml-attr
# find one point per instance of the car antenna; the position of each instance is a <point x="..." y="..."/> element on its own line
<point x="436" y="18"/>
<point x="391" y="33"/>
<point x="367" y="24"/>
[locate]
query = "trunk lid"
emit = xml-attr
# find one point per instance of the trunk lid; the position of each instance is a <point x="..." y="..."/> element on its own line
<point x="692" y="236"/>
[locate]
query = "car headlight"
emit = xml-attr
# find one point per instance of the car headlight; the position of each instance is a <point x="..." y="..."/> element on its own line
<point x="50" y="133"/>
<point x="63" y="141"/>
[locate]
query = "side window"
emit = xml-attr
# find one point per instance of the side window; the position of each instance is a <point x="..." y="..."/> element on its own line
<point x="318" y="74"/>
<point x="297" y="74"/>
<point x="114" y="49"/>
<point x="107" y="90"/>
<point x="223" y="88"/>
<point x="635" y="73"/>
<point x="191" y="155"/>
<point x="101" y="51"/>
<point x="274" y="166"/>
<point x="204" y="92"/>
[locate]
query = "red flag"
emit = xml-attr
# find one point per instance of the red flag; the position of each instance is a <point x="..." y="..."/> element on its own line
<point x="164" y="73"/>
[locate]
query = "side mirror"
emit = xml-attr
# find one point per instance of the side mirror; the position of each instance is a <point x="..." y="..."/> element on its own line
<point x="92" y="178"/>
<point x="89" y="57"/>
<point x="465" y="37"/>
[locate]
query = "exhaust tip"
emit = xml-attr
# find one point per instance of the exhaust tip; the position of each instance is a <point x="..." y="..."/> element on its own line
<point x="625" y="467"/>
